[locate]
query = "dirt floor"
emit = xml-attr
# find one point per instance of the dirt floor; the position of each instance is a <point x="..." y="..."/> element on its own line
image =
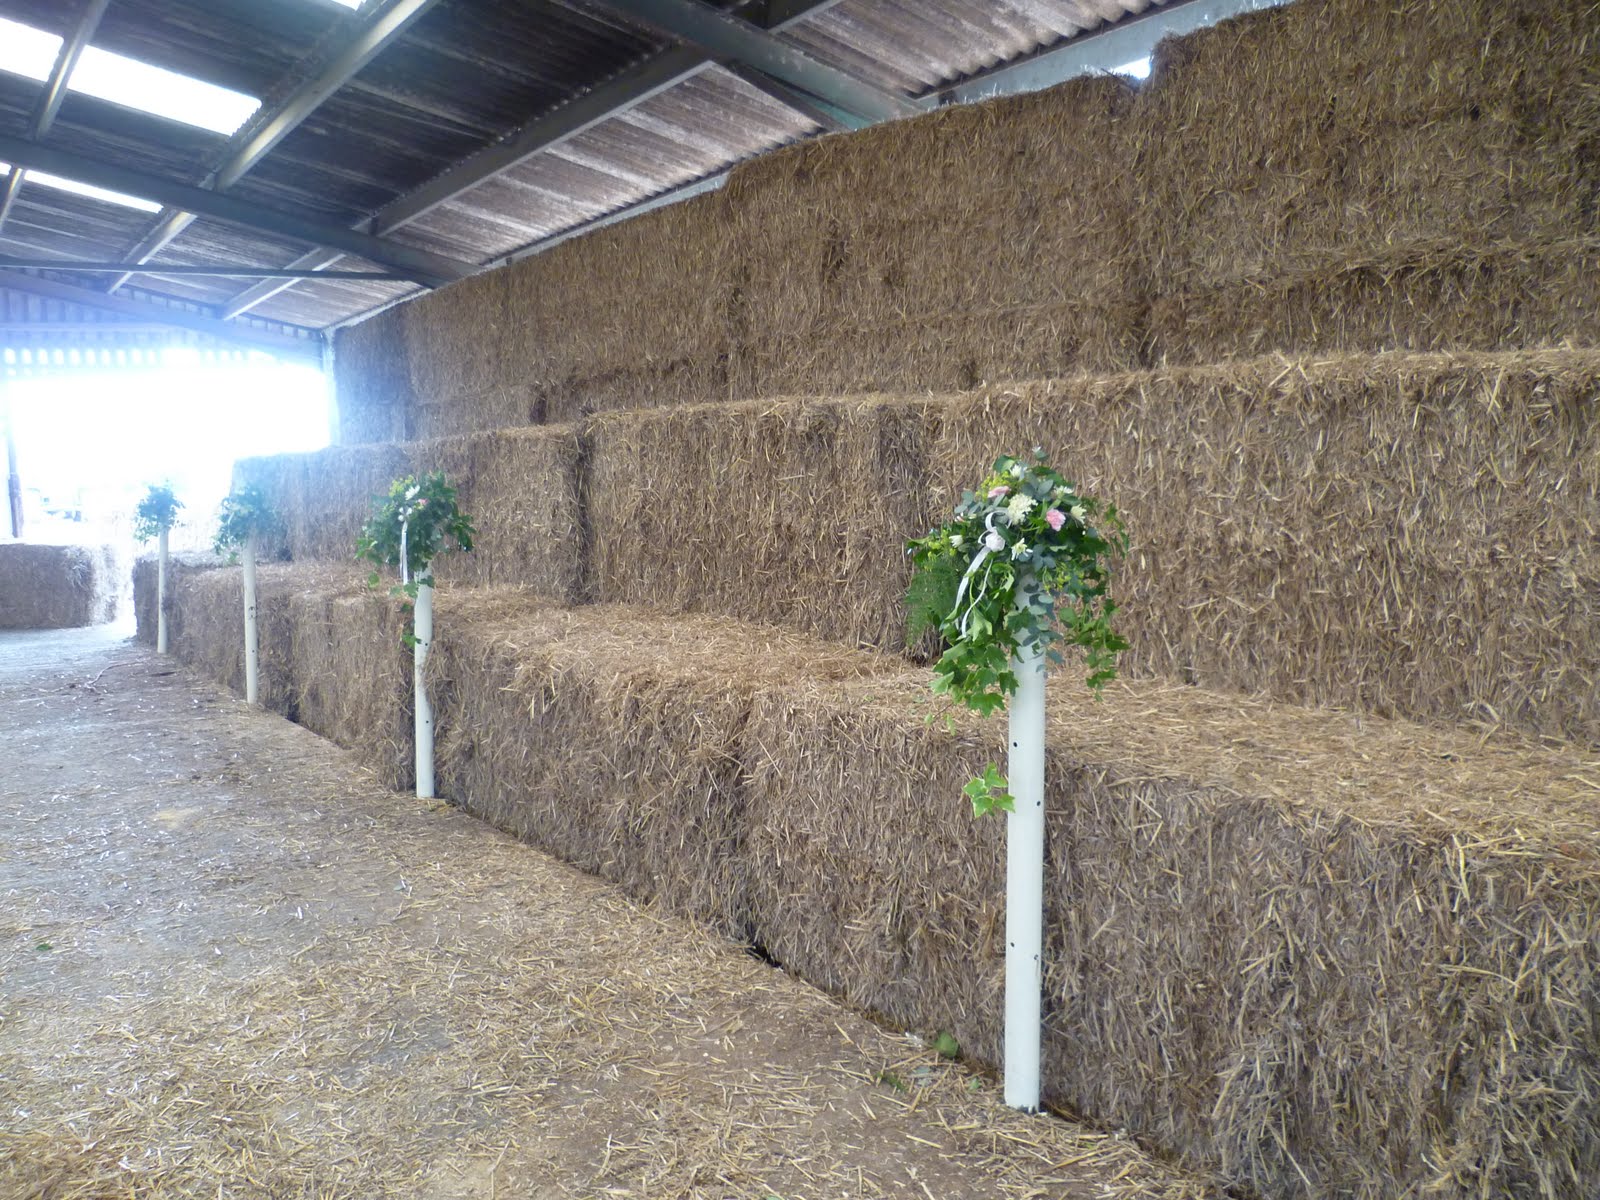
<point x="231" y="965"/>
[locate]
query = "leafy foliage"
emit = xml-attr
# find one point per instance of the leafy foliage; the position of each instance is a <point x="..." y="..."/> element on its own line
<point x="409" y="528"/>
<point x="1023" y="567"/>
<point x="156" y="513"/>
<point x="244" y="511"/>
<point x="988" y="792"/>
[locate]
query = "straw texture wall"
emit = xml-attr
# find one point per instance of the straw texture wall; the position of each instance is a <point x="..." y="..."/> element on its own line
<point x="1330" y="176"/>
<point x="1324" y="956"/>
<point x="1408" y="534"/>
<point x="520" y="487"/>
<point x="56" y="587"/>
<point x="375" y="400"/>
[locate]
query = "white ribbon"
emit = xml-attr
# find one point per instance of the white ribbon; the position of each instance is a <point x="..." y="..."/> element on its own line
<point x="993" y="542"/>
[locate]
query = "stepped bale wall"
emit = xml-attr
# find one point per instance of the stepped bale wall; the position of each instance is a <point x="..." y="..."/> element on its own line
<point x="1321" y="955"/>
<point x="1330" y="176"/>
<point x="1404" y="534"/>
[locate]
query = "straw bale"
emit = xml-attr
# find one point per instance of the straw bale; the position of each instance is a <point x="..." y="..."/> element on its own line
<point x="521" y="489"/>
<point x="1321" y="954"/>
<point x="973" y="243"/>
<point x="372" y="380"/>
<point x="1424" y="295"/>
<point x="144" y="591"/>
<point x="1352" y="128"/>
<point x="520" y="486"/>
<point x="56" y="587"/>
<point x="792" y="512"/>
<point x="1407" y="534"/>
<point x="351" y="671"/>
<point x="630" y="315"/>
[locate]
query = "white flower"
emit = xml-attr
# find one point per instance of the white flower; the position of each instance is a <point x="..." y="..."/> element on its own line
<point x="994" y="541"/>
<point x="1077" y="511"/>
<point x="1018" y="507"/>
<point x="955" y="541"/>
<point x="1020" y="551"/>
<point x="1016" y="470"/>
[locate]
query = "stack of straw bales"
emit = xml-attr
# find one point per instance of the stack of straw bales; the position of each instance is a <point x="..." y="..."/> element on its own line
<point x="56" y="587"/>
<point x="1330" y="176"/>
<point x="1319" y="954"/>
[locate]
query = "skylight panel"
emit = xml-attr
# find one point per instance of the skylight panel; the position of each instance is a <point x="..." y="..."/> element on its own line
<point x="347" y="3"/>
<point x="163" y="93"/>
<point x="27" y="51"/>
<point x="87" y="189"/>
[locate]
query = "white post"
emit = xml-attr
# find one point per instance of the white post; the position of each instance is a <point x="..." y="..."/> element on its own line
<point x="161" y="593"/>
<point x="251" y="645"/>
<point x="1025" y="885"/>
<point x="422" y="631"/>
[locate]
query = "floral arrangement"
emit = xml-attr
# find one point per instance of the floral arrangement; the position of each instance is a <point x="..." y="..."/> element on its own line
<point x="244" y="511"/>
<point x="156" y="513"/>
<point x="410" y="526"/>
<point x="1023" y="568"/>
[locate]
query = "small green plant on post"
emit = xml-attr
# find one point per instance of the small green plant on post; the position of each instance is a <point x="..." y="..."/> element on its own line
<point x="1024" y="566"/>
<point x="244" y="518"/>
<point x="411" y="526"/>
<point x="154" y="517"/>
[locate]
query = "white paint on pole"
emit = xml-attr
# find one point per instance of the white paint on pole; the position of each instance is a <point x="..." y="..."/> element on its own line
<point x="1025" y="885"/>
<point x="161" y="593"/>
<point x="251" y="656"/>
<point x="422" y="631"/>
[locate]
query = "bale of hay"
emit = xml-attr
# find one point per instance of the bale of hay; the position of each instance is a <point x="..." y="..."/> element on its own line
<point x="144" y="591"/>
<point x="1403" y="534"/>
<point x="792" y="512"/>
<point x="372" y="381"/>
<point x="611" y="741"/>
<point x="630" y="315"/>
<point x="971" y="244"/>
<point x="1320" y="955"/>
<point x="1405" y="137"/>
<point x="350" y="671"/>
<point x="520" y="486"/>
<point x="56" y="587"/>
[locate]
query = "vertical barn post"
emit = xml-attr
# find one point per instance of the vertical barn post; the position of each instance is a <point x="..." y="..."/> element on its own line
<point x="1025" y="883"/>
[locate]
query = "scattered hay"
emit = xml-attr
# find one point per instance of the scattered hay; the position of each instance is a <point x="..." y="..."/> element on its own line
<point x="1322" y="954"/>
<point x="56" y="587"/>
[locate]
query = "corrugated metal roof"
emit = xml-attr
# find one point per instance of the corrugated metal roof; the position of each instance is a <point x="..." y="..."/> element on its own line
<point x="462" y="80"/>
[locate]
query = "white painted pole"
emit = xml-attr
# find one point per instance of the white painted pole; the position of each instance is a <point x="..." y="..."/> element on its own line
<point x="1025" y="885"/>
<point x="251" y="645"/>
<point x="422" y="631"/>
<point x="161" y="593"/>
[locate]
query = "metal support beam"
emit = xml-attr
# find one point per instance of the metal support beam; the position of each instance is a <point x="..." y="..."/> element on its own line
<point x="55" y="90"/>
<point x="730" y="38"/>
<point x="1105" y="49"/>
<point x="221" y="270"/>
<point x="829" y="117"/>
<point x="377" y="30"/>
<point x="425" y="267"/>
<point x="245" y="335"/>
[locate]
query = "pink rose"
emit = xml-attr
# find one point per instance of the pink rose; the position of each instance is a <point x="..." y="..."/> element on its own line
<point x="996" y="492"/>
<point x="1055" y="518"/>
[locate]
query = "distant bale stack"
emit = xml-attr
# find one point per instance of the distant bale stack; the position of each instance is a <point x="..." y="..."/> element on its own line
<point x="1351" y="174"/>
<point x="976" y="243"/>
<point x="372" y="381"/>
<point x="791" y="512"/>
<point x="56" y="587"/>
<point x="145" y="589"/>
